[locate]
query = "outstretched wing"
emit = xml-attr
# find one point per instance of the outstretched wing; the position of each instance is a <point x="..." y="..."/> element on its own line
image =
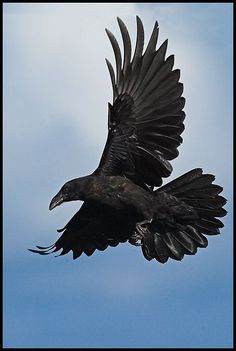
<point x="93" y="227"/>
<point x="146" y="119"/>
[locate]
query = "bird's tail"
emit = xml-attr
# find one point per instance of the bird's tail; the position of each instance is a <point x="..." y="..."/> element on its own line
<point x="196" y="190"/>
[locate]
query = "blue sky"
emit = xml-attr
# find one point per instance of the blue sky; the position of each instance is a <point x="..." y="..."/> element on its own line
<point x="56" y="90"/>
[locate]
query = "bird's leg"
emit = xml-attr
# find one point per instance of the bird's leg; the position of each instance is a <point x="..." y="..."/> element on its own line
<point x="141" y="226"/>
<point x="139" y="232"/>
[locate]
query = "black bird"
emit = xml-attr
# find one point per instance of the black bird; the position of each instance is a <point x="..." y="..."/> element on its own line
<point x="121" y="204"/>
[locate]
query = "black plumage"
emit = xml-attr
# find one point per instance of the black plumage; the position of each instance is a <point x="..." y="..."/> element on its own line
<point x="145" y="123"/>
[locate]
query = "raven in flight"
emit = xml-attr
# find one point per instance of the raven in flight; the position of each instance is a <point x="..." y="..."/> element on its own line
<point x="121" y="203"/>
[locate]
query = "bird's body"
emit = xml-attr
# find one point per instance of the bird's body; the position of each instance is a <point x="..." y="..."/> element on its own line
<point x="120" y="200"/>
<point x="119" y="193"/>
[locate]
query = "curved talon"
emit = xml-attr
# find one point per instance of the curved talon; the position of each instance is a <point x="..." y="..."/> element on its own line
<point x="134" y="241"/>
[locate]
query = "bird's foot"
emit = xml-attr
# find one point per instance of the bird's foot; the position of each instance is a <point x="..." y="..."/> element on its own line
<point x="135" y="239"/>
<point x="141" y="227"/>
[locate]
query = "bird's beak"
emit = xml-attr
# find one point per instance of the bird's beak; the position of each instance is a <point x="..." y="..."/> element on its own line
<point x="56" y="201"/>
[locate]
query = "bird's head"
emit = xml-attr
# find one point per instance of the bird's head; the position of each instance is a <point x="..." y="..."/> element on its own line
<point x="72" y="190"/>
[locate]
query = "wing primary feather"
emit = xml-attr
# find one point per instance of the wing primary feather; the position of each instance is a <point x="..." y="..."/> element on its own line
<point x="117" y="54"/>
<point x="112" y="75"/>
<point x="137" y="58"/>
<point x="155" y="75"/>
<point x="44" y="247"/>
<point x="151" y="45"/>
<point x="127" y="45"/>
<point x="139" y="43"/>
<point x="159" y="69"/>
<point x="147" y="58"/>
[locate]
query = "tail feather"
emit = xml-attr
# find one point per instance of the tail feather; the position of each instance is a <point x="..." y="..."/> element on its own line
<point x="200" y="193"/>
<point x="162" y="251"/>
<point x="210" y="202"/>
<point x="195" y="189"/>
<point x="175" y="247"/>
<point x="191" y="181"/>
<point x="194" y="234"/>
<point x="206" y="227"/>
<point x="186" y="242"/>
<point x="208" y="213"/>
<point x="195" y="184"/>
<point x="182" y="181"/>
